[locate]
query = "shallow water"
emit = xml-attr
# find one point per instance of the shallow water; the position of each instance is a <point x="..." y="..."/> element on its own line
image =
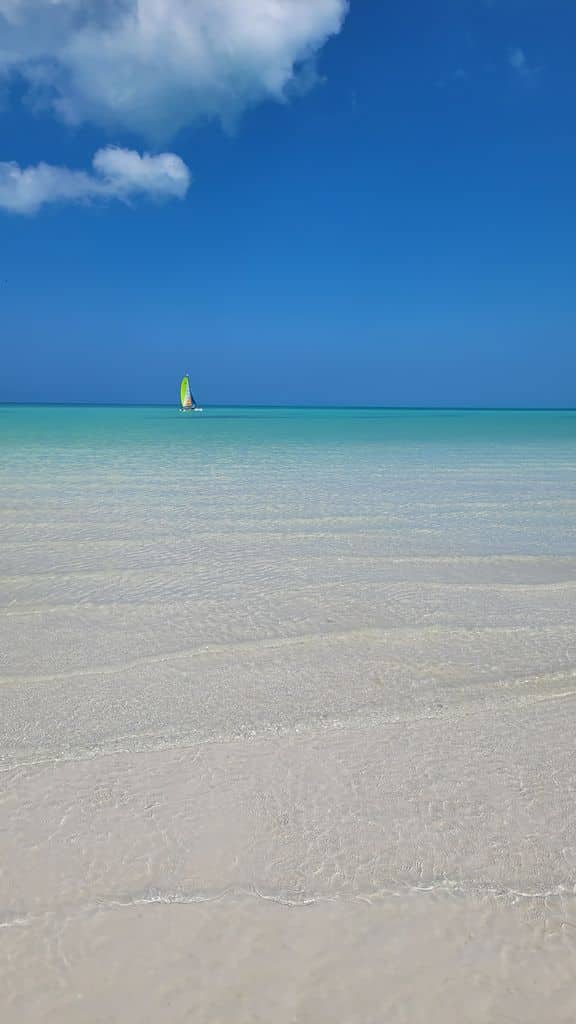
<point x="294" y="690"/>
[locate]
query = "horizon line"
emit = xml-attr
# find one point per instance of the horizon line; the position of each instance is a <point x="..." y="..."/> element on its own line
<point x="284" y="405"/>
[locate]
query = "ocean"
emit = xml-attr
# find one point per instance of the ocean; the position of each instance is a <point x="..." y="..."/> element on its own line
<point x="287" y="715"/>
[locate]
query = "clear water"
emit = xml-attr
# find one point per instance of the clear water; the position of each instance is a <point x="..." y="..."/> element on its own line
<point x="321" y="658"/>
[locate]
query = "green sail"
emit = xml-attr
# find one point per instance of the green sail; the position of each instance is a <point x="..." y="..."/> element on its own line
<point x="185" y="396"/>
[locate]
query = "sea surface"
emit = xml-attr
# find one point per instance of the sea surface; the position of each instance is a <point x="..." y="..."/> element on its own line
<point x="287" y="716"/>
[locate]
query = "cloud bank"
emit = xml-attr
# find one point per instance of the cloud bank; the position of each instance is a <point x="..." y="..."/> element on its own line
<point x="154" y="66"/>
<point x="117" y="174"/>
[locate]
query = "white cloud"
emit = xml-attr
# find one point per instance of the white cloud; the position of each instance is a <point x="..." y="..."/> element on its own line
<point x="117" y="174"/>
<point x="154" y="66"/>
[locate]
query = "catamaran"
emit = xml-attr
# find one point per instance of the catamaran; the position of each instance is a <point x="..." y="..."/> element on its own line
<point x="186" y="397"/>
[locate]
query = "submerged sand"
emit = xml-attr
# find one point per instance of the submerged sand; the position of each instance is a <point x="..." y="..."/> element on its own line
<point x="407" y="870"/>
<point x="325" y="773"/>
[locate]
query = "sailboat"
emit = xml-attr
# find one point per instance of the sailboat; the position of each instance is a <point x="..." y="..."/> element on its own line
<point x="186" y="397"/>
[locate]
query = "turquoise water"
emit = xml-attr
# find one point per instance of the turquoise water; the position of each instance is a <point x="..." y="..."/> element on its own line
<point x="154" y="425"/>
<point x="428" y="481"/>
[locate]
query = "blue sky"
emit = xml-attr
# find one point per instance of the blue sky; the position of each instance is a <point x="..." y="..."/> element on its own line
<point x="402" y="232"/>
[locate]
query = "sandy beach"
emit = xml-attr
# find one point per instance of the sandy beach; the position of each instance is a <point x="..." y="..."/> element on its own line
<point x="287" y="715"/>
